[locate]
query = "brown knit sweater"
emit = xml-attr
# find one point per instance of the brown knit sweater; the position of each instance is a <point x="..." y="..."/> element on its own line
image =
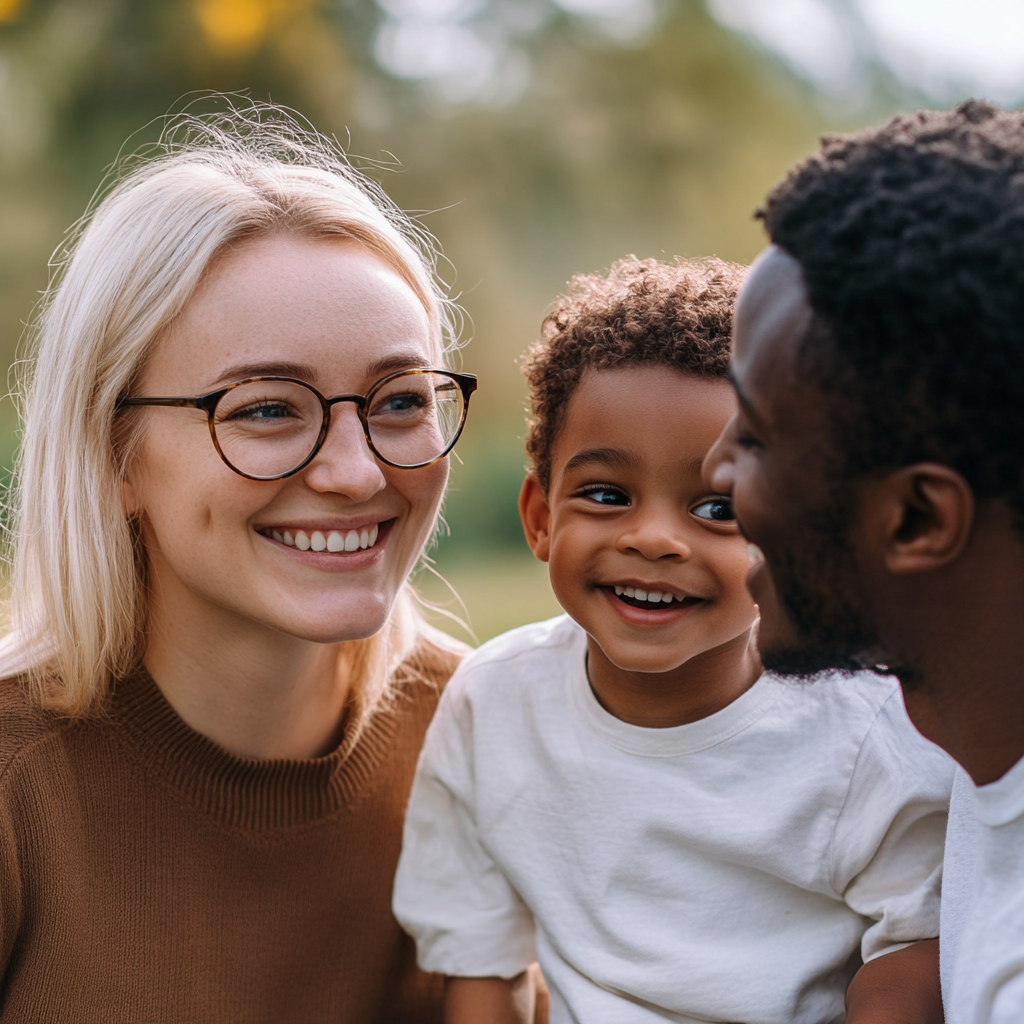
<point x="147" y="875"/>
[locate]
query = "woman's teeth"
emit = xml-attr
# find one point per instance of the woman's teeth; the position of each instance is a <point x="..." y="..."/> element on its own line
<point x="334" y="541"/>
<point x="647" y="595"/>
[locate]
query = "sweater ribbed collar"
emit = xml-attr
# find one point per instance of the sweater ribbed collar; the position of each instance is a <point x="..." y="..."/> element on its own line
<point x="246" y="793"/>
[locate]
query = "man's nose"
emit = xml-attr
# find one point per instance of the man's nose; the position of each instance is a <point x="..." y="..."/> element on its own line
<point x="718" y="469"/>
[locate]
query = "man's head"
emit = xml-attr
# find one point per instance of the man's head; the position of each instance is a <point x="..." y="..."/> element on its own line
<point x="879" y="361"/>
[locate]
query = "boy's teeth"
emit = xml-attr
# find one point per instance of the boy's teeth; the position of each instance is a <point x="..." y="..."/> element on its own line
<point x="619" y="591"/>
<point x="277" y="536"/>
<point x="373" y="535"/>
<point x="317" y="541"/>
<point x="301" y="540"/>
<point x="335" y="541"/>
<point x="655" y="595"/>
<point x="630" y="592"/>
<point x="640" y="595"/>
<point x="289" y="539"/>
<point x="352" y="541"/>
<point x="755" y="553"/>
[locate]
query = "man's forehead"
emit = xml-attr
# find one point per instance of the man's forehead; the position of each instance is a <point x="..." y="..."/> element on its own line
<point x="772" y="318"/>
<point x="772" y="311"/>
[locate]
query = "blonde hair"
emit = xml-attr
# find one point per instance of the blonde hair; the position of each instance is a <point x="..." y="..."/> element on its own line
<point x="78" y="606"/>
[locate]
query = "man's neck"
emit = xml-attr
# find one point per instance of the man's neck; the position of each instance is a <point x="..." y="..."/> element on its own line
<point x="960" y="636"/>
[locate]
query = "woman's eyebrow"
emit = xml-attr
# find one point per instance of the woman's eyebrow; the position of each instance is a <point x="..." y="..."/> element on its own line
<point x="269" y="368"/>
<point x="308" y="372"/>
<point x="621" y="458"/>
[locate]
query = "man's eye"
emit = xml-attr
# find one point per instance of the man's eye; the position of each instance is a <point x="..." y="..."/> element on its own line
<point x="718" y="510"/>
<point x="603" y="494"/>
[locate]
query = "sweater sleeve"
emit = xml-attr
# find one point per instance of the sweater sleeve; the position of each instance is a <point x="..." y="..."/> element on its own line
<point x="450" y="894"/>
<point x="10" y="881"/>
<point x="888" y="840"/>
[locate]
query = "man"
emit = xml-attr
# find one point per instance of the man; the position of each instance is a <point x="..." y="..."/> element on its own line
<point x="877" y="461"/>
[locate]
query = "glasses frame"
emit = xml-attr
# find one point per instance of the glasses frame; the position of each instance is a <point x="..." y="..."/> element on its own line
<point x="467" y="383"/>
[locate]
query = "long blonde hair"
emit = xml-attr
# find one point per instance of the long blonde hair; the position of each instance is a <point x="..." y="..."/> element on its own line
<point x="79" y="604"/>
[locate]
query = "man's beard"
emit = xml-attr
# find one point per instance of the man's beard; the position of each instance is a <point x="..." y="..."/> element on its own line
<point x="818" y="586"/>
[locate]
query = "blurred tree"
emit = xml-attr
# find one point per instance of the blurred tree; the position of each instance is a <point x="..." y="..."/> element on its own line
<point x="551" y="136"/>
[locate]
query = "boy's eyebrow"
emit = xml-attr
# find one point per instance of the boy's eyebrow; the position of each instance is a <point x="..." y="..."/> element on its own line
<point x="608" y="456"/>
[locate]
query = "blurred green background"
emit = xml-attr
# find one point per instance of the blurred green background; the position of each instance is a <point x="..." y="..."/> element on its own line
<point x="536" y="139"/>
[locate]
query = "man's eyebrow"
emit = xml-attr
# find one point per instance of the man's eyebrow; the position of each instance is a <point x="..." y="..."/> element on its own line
<point x="741" y="397"/>
<point x="618" y="457"/>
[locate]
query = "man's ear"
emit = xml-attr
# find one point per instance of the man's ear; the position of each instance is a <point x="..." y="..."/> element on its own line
<point x="921" y="516"/>
<point x="536" y="517"/>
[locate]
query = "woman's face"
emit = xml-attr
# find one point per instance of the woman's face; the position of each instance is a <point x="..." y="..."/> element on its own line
<point x="330" y="313"/>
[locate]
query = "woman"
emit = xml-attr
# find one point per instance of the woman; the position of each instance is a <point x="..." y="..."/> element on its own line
<point x="217" y="683"/>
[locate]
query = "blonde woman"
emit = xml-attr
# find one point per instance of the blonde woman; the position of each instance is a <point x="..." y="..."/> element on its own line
<point x="217" y="685"/>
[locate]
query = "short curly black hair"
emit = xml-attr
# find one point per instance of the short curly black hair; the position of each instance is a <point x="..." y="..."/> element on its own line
<point x="641" y="312"/>
<point x="911" y="241"/>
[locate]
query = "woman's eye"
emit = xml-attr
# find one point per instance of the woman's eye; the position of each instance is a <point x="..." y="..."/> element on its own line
<point x="262" y="412"/>
<point x="718" y="510"/>
<point x="605" y="495"/>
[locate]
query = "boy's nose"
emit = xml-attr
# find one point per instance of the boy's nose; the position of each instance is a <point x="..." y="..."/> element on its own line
<point x="718" y="469"/>
<point x="656" y="537"/>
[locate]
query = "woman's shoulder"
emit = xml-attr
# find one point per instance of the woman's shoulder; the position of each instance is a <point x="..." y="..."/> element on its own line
<point x="24" y="724"/>
<point x="432" y="660"/>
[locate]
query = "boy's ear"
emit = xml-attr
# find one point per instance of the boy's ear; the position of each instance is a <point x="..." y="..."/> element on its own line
<point x="920" y="517"/>
<point x="536" y="516"/>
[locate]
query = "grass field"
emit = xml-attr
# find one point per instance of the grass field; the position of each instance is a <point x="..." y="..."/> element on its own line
<point x="494" y="593"/>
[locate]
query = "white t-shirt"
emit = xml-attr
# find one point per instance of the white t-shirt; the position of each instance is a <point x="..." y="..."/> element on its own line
<point x="982" y="942"/>
<point x="732" y="869"/>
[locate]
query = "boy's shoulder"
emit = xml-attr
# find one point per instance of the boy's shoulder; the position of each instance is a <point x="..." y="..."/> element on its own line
<point x="525" y="652"/>
<point x="559" y="633"/>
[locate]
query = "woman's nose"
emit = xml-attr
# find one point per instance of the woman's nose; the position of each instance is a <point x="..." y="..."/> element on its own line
<point x="719" y="469"/>
<point x="345" y="464"/>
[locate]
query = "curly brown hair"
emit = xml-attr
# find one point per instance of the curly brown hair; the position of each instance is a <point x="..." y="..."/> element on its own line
<point x="642" y="312"/>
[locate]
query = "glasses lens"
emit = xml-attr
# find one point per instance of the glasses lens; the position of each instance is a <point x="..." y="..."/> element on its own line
<point x="415" y="418"/>
<point x="268" y="427"/>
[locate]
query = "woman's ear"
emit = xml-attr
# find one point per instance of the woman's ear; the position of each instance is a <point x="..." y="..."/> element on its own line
<point x="536" y="516"/>
<point x="924" y="514"/>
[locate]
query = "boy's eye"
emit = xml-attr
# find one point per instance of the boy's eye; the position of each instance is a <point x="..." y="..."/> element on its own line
<point x="604" y="494"/>
<point x="718" y="510"/>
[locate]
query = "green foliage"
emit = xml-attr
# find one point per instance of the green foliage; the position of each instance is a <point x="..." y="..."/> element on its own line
<point x="661" y="146"/>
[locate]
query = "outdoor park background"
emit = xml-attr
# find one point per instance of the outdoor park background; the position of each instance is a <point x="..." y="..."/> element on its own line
<point x="547" y="136"/>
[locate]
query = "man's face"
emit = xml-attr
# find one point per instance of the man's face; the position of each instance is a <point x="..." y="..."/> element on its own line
<point x="776" y="458"/>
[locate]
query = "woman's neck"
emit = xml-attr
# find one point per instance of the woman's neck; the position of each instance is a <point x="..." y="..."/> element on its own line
<point x="253" y="690"/>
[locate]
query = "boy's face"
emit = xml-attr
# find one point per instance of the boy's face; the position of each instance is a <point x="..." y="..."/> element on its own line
<point x="628" y="516"/>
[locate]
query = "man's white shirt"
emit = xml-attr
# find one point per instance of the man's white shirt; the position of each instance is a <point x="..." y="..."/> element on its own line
<point x="733" y="869"/>
<point x="982" y="937"/>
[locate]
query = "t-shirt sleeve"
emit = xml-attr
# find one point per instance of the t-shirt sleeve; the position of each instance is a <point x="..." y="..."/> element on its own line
<point x="450" y="895"/>
<point x="888" y="840"/>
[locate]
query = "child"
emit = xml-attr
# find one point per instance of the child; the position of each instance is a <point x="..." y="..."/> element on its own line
<point x="620" y="792"/>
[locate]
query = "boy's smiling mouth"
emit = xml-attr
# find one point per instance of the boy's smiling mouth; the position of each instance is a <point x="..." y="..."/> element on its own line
<point x="657" y="598"/>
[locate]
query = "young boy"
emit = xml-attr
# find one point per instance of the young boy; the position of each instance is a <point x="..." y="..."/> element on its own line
<point x="621" y="792"/>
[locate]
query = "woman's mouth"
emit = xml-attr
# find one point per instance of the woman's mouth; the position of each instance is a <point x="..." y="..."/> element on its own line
<point x="332" y="541"/>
